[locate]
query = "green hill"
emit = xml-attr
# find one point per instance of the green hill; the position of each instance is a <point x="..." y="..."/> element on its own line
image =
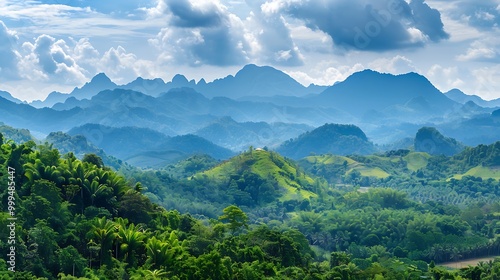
<point x="261" y="176"/>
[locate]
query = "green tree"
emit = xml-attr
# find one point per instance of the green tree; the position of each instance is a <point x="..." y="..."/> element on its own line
<point x="235" y="218"/>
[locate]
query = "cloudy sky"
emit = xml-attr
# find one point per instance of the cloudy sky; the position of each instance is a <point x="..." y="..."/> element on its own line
<point x="59" y="44"/>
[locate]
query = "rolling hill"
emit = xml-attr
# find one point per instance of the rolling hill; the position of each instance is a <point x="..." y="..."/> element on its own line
<point x="261" y="176"/>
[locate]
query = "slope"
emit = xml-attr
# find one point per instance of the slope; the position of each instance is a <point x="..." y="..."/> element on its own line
<point x="261" y="176"/>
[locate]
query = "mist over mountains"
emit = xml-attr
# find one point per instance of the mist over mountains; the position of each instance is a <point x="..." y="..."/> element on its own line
<point x="259" y="106"/>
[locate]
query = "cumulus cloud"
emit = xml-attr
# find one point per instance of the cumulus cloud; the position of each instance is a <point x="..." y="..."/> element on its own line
<point x="445" y="78"/>
<point x="122" y="66"/>
<point x="48" y="58"/>
<point x="367" y="25"/>
<point x="481" y="50"/>
<point x="480" y="14"/>
<point x="9" y="56"/>
<point x="273" y="37"/>
<point x="487" y="82"/>
<point x="201" y="32"/>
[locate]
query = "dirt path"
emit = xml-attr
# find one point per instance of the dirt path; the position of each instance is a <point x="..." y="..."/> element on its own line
<point x="466" y="263"/>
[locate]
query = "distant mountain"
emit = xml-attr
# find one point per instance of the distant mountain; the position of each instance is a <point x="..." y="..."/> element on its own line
<point x="120" y="142"/>
<point x="228" y="133"/>
<point x="98" y="83"/>
<point x="431" y="141"/>
<point x="38" y="121"/>
<point x="406" y="97"/>
<point x="330" y="138"/>
<point x="8" y="96"/>
<point x="460" y="97"/>
<point x="146" y="147"/>
<point x="255" y="80"/>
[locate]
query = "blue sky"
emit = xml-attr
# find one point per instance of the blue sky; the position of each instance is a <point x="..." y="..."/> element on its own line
<point x="60" y="44"/>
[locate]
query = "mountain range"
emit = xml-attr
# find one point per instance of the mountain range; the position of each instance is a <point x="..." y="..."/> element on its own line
<point x="259" y="106"/>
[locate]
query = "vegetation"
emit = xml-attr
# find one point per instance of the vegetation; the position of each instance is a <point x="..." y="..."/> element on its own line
<point x="256" y="216"/>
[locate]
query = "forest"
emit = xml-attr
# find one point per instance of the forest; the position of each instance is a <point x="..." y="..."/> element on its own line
<point x="258" y="215"/>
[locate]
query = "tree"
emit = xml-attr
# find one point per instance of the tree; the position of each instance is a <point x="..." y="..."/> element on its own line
<point x="235" y="218"/>
<point x="94" y="159"/>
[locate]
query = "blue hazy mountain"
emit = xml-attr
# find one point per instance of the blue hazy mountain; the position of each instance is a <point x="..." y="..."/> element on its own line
<point x="408" y="96"/>
<point x="255" y="80"/>
<point x="98" y="83"/>
<point x="138" y="146"/>
<point x="8" y="96"/>
<point x="460" y="97"/>
<point x="336" y="139"/>
<point x="228" y="133"/>
<point x="431" y="141"/>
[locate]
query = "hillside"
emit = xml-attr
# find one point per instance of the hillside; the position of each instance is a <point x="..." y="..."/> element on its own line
<point x="261" y="176"/>
<point x="329" y="138"/>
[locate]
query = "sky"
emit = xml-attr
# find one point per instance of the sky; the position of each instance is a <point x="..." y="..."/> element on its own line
<point x="56" y="45"/>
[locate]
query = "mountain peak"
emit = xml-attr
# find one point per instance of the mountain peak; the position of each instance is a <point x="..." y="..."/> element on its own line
<point x="101" y="78"/>
<point x="179" y="79"/>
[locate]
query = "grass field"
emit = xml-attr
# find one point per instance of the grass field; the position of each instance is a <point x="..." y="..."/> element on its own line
<point x="416" y="161"/>
<point x="466" y="263"/>
<point x="481" y="171"/>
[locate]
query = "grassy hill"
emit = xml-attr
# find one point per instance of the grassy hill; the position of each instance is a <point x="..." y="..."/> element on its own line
<point x="262" y="173"/>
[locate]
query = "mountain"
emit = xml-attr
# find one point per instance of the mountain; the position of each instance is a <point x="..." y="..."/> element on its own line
<point x="236" y="136"/>
<point x="431" y="141"/>
<point x="460" y="97"/>
<point x="98" y="83"/>
<point x="39" y="121"/>
<point x="253" y="80"/>
<point x="146" y="147"/>
<point x="330" y="138"/>
<point x="406" y="97"/>
<point x="8" y="96"/>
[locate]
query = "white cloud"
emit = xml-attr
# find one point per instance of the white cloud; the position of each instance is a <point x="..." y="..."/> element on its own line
<point x="445" y="78"/>
<point x="325" y="73"/>
<point x="481" y="50"/>
<point x="122" y="66"/>
<point x="396" y="65"/>
<point x="9" y="56"/>
<point x="486" y="82"/>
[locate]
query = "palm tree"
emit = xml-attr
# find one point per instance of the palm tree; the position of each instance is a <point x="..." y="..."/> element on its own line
<point x="130" y="239"/>
<point x="104" y="232"/>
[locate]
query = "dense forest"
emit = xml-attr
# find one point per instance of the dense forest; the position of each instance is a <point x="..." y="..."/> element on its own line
<point x="256" y="216"/>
